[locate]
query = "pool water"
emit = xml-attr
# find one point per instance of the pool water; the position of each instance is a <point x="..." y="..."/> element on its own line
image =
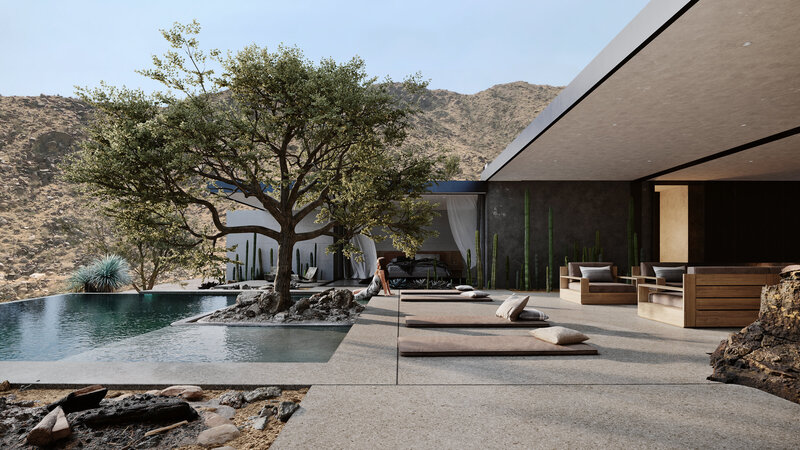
<point x="133" y="327"/>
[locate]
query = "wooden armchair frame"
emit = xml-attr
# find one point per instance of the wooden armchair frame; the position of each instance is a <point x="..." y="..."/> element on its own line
<point x="585" y="297"/>
<point x="709" y="300"/>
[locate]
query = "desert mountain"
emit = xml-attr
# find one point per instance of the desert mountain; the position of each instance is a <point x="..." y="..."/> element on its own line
<point x="47" y="226"/>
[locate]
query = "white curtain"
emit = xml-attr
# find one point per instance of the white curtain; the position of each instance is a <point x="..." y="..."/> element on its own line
<point x="364" y="269"/>
<point x="462" y="213"/>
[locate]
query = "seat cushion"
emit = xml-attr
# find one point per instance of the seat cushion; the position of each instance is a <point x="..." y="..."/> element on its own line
<point x="646" y="268"/>
<point x="611" y="287"/>
<point x="474" y="294"/>
<point x="559" y="335"/>
<point x="511" y="308"/>
<point x="532" y="314"/>
<point x="574" y="268"/>
<point x="666" y="298"/>
<point x="597" y="274"/>
<point x="604" y="287"/>
<point x="670" y="274"/>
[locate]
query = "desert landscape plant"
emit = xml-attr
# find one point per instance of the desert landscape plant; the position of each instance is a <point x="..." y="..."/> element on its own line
<point x="106" y="274"/>
<point x="301" y="138"/>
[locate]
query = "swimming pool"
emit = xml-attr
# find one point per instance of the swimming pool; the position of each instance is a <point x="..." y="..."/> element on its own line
<point x="136" y="327"/>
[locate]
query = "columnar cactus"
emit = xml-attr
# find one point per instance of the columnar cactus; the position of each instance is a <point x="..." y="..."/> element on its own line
<point x="549" y="249"/>
<point x="246" y="258"/>
<point x="469" y="268"/>
<point x="478" y="262"/>
<point x="527" y="242"/>
<point x="493" y="282"/>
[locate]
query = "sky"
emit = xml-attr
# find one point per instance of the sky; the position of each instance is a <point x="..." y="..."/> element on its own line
<point x="51" y="46"/>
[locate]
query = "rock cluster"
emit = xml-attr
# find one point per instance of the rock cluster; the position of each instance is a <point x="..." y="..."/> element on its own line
<point x="332" y="305"/>
<point x="766" y="354"/>
<point x="130" y="420"/>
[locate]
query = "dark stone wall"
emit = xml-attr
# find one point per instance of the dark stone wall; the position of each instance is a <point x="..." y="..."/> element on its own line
<point x="579" y="209"/>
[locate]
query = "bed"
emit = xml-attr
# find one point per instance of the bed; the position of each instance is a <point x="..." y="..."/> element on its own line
<point x="418" y="268"/>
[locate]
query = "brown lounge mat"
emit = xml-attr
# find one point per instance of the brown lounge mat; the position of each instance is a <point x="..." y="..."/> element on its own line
<point x="470" y="322"/>
<point x="442" y="298"/>
<point x="430" y="291"/>
<point x="486" y="346"/>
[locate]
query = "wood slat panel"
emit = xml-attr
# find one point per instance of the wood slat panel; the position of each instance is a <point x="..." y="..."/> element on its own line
<point x="729" y="291"/>
<point x="661" y="313"/>
<point x="725" y="318"/>
<point x="729" y="303"/>
<point x="733" y="279"/>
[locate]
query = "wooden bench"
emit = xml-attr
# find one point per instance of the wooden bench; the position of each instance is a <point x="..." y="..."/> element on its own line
<point x="576" y="289"/>
<point x="713" y="296"/>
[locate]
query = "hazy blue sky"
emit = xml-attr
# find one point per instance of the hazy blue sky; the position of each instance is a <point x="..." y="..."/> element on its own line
<point x="464" y="46"/>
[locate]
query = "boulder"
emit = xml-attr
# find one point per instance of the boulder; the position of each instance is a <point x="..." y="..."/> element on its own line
<point x="82" y="399"/>
<point x="286" y="409"/>
<point x="212" y="419"/>
<point x="5" y="386"/>
<point x="53" y="427"/>
<point x="262" y="393"/>
<point x="225" y="411"/>
<point x="234" y="399"/>
<point x="766" y="354"/>
<point x="260" y="423"/>
<point x="218" y="435"/>
<point x="187" y="392"/>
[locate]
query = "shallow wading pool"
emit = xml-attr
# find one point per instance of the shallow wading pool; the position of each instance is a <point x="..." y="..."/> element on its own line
<point x="134" y="327"/>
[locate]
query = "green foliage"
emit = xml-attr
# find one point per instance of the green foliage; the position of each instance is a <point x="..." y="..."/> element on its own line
<point x="153" y="242"/>
<point x="548" y="283"/>
<point x="550" y="268"/>
<point x="508" y="273"/>
<point x="469" y="268"/>
<point x="80" y="280"/>
<point x="247" y="259"/>
<point x="478" y="262"/>
<point x="493" y="281"/>
<point x="527" y="242"/>
<point x="631" y="247"/>
<point x="106" y="274"/>
<point x="535" y="284"/>
<point x="254" y="270"/>
<point x="324" y="137"/>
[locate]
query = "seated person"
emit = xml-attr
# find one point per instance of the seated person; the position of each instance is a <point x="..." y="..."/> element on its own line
<point x="378" y="280"/>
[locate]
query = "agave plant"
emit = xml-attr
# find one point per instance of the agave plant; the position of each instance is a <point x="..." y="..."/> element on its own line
<point x="81" y="280"/>
<point x="109" y="273"/>
<point x="105" y="274"/>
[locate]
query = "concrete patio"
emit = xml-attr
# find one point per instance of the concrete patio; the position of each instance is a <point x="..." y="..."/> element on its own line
<point x="646" y="388"/>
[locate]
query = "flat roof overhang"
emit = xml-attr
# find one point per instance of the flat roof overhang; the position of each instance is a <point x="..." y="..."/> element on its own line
<point x="689" y="90"/>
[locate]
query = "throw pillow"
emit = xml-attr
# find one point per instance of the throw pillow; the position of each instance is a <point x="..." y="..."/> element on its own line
<point x="559" y="335"/>
<point x="671" y="274"/>
<point x="475" y="294"/>
<point x="511" y="308"/>
<point x="464" y="287"/>
<point x="532" y="314"/>
<point x="597" y="274"/>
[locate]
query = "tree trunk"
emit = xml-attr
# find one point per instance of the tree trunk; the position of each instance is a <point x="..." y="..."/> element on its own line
<point x="283" y="272"/>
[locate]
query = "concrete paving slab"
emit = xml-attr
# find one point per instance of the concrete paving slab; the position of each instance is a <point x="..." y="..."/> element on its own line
<point x="632" y="350"/>
<point x="465" y="417"/>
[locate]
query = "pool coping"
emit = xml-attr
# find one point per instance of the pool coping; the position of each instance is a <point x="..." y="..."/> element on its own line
<point x="349" y="364"/>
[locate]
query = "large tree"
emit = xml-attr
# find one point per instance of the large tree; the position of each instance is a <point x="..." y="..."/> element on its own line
<point x="297" y="137"/>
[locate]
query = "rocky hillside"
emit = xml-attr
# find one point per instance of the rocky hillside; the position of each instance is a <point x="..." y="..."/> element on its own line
<point x="46" y="226"/>
<point x="478" y="127"/>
